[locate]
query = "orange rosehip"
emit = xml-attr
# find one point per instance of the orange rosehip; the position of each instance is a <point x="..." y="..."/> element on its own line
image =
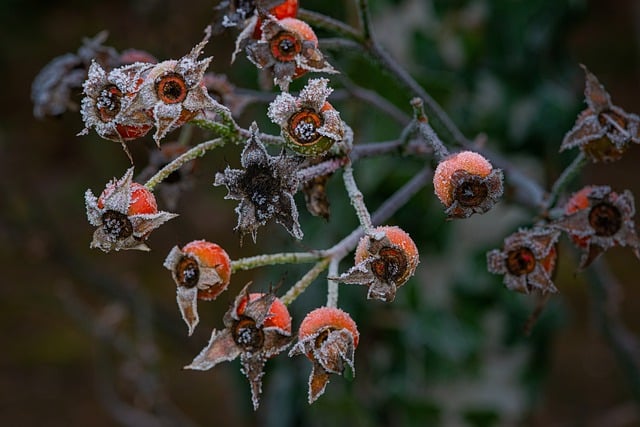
<point x="466" y="183"/>
<point x="384" y="261"/>
<point x="278" y="316"/>
<point x="286" y="9"/>
<point x="211" y="255"/>
<point x="141" y="200"/>
<point x="328" y="337"/>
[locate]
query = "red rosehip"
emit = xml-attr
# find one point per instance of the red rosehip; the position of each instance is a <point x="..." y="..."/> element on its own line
<point x="329" y="318"/>
<point x="212" y="256"/>
<point x="278" y="316"/>
<point x="141" y="201"/>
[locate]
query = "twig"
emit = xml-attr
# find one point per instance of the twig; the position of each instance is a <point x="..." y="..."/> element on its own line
<point x="250" y="263"/>
<point x="305" y="281"/>
<point x="357" y="199"/>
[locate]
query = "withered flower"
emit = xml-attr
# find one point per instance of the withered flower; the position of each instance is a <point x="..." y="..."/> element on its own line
<point x="125" y="214"/>
<point x="201" y="270"/>
<point x="235" y="13"/>
<point x="257" y="327"/>
<point x="173" y="92"/>
<point x="265" y="188"/>
<point x="328" y="337"/>
<point x="288" y="49"/>
<point x="309" y="124"/>
<point x="466" y="183"/>
<point x="385" y="259"/>
<point x="527" y="260"/>
<point x="107" y="101"/>
<point x="53" y="88"/>
<point x="598" y="219"/>
<point x="602" y="131"/>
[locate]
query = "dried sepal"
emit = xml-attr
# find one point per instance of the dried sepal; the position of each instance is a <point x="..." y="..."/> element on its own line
<point x="603" y="131"/>
<point x="288" y="49"/>
<point x="257" y="327"/>
<point x="385" y="259"/>
<point x="328" y="337"/>
<point x="265" y="188"/>
<point x="527" y="260"/>
<point x="125" y="214"/>
<point x="173" y="91"/>
<point x="598" y="219"/>
<point x="308" y="123"/>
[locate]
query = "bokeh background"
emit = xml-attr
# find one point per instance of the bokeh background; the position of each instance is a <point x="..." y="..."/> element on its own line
<point x="95" y="339"/>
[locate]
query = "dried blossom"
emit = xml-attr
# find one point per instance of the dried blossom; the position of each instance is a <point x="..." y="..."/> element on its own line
<point x="173" y="91"/>
<point x="328" y="337"/>
<point x="265" y="188"/>
<point x="257" y="327"/>
<point x="466" y="183"/>
<point x="124" y="214"/>
<point x="54" y="86"/>
<point x="598" y="219"/>
<point x="235" y="13"/>
<point x="201" y="270"/>
<point x="385" y="259"/>
<point x="288" y="49"/>
<point x="602" y="131"/>
<point x="527" y="260"/>
<point x="309" y="124"/>
<point x="107" y="102"/>
<point x="178" y="181"/>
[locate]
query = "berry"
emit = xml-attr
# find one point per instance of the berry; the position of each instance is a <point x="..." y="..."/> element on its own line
<point x="212" y="256"/>
<point x="278" y="316"/>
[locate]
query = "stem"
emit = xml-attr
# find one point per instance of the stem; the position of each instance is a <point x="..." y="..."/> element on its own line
<point x="323" y="168"/>
<point x="565" y="178"/>
<point x="332" y="285"/>
<point x="357" y="199"/>
<point x="365" y="20"/>
<point x="330" y="24"/>
<point x="250" y="263"/>
<point x="197" y="151"/>
<point x="305" y="281"/>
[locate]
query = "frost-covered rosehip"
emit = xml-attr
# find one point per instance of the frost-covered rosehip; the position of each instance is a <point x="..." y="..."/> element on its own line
<point x="173" y="92"/>
<point x="201" y="270"/>
<point x="257" y="327"/>
<point x="328" y="336"/>
<point x="107" y="101"/>
<point x="243" y="13"/>
<point x="466" y="183"/>
<point x="124" y="214"/>
<point x="603" y="131"/>
<point x="309" y="124"/>
<point x="527" y="260"/>
<point x="598" y="219"/>
<point x="385" y="259"/>
<point x="288" y="49"/>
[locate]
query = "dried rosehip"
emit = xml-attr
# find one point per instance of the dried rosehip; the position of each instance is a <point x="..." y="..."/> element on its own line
<point x="598" y="219"/>
<point x="107" y="102"/>
<point x="527" y="260"/>
<point x="125" y="215"/>
<point x="173" y="92"/>
<point x="309" y="124"/>
<point x="466" y="183"/>
<point x="265" y="188"/>
<point x="385" y="259"/>
<point x="201" y="270"/>
<point x="328" y="337"/>
<point x="288" y="48"/>
<point x="257" y="327"/>
<point x="602" y="131"/>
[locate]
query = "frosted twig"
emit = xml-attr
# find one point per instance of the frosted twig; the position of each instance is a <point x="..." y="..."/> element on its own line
<point x="250" y="263"/>
<point x="357" y="200"/>
<point x="332" y="285"/>
<point x="305" y="281"/>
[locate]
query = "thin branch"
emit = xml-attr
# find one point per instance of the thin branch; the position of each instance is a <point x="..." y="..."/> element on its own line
<point x="305" y="281"/>
<point x="250" y="263"/>
<point x="356" y="197"/>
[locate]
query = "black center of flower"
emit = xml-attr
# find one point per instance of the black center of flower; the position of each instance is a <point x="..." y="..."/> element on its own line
<point x="285" y="46"/>
<point x="262" y="190"/>
<point x="605" y="219"/>
<point x="116" y="225"/>
<point x="171" y="88"/>
<point x="247" y="335"/>
<point x="471" y="191"/>
<point x="303" y="126"/>
<point x="520" y="261"/>
<point x="108" y="102"/>
<point x="391" y="266"/>
<point x="187" y="272"/>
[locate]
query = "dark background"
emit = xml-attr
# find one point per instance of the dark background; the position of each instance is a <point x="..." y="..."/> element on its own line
<point x="95" y="339"/>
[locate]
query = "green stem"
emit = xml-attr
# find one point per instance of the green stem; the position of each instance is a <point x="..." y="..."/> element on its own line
<point x="305" y="281"/>
<point x="197" y="151"/>
<point x="250" y="263"/>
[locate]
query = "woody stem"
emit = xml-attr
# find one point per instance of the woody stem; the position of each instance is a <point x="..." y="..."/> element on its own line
<point x="332" y="285"/>
<point x="250" y="263"/>
<point x="357" y="199"/>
